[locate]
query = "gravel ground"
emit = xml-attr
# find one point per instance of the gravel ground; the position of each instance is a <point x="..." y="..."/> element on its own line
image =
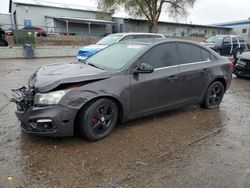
<point x="189" y="147"/>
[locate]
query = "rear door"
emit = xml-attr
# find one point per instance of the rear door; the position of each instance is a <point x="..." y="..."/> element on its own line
<point x="193" y="74"/>
<point x="153" y="91"/>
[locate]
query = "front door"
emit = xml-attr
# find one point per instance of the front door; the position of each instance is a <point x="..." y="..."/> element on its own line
<point x="157" y="90"/>
<point x="227" y="46"/>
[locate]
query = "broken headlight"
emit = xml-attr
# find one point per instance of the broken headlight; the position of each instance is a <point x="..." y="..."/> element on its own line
<point x="49" y="98"/>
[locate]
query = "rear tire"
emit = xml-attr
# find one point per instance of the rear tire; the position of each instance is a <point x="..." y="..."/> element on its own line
<point x="214" y="95"/>
<point x="98" y="119"/>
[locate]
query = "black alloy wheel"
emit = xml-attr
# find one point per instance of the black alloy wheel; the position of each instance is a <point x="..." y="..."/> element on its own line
<point x="214" y="95"/>
<point x="98" y="119"/>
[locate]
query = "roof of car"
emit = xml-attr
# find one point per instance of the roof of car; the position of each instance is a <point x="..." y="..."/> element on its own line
<point x="228" y="35"/>
<point x="155" y="41"/>
<point x="149" y="41"/>
<point x="134" y="33"/>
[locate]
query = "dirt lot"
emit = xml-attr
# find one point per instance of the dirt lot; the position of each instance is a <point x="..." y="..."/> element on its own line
<point x="189" y="147"/>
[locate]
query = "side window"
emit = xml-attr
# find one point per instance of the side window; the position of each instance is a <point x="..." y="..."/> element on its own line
<point x="154" y="36"/>
<point x="234" y="40"/>
<point x="162" y="55"/>
<point x="205" y="55"/>
<point x="127" y="37"/>
<point x="227" y="40"/>
<point x="189" y="53"/>
<point x="140" y="36"/>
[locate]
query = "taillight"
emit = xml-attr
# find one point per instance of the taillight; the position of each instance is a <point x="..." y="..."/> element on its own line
<point x="231" y="65"/>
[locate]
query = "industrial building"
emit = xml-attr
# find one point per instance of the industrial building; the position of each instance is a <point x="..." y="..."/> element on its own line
<point x="241" y="27"/>
<point x="5" y="21"/>
<point x="78" y="20"/>
<point x="170" y="29"/>
<point x="60" y="18"/>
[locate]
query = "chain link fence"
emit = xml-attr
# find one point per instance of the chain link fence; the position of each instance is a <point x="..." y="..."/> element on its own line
<point x="53" y="36"/>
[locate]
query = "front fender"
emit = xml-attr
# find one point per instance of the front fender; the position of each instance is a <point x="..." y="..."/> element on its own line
<point x="77" y="99"/>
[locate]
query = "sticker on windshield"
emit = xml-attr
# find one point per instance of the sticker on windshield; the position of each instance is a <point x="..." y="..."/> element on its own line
<point x="135" y="46"/>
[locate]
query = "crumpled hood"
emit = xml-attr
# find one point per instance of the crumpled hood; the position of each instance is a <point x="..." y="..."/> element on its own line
<point x="50" y="76"/>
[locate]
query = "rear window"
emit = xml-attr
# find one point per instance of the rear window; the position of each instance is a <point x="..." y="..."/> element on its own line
<point x="205" y="55"/>
<point x="214" y="39"/>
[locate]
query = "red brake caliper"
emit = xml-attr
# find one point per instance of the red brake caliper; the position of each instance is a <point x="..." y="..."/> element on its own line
<point x="94" y="120"/>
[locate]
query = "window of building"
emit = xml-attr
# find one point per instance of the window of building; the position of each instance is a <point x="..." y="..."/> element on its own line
<point x="244" y="30"/>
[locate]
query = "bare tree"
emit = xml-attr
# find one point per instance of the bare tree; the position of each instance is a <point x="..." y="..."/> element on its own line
<point x="149" y="9"/>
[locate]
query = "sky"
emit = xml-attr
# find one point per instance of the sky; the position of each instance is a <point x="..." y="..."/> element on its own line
<point x="203" y="12"/>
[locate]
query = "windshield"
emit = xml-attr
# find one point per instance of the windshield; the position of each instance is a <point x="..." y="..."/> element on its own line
<point x="108" y="40"/>
<point x="214" y="39"/>
<point x="116" y="56"/>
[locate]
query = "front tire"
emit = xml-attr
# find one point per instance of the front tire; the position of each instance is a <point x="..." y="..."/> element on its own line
<point x="98" y="119"/>
<point x="214" y="95"/>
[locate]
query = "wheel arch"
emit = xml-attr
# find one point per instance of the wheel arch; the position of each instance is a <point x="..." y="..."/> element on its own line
<point x="223" y="83"/>
<point x="222" y="80"/>
<point x="90" y="101"/>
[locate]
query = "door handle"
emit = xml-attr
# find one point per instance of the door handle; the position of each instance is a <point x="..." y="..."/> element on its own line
<point x="172" y="78"/>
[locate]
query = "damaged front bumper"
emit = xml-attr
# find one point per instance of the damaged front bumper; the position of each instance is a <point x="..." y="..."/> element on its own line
<point x="55" y="120"/>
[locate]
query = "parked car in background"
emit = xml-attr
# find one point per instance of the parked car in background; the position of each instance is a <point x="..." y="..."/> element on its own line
<point x="226" y="44"/>
<point x="9" y="32"/>
<point x="90" y="50"/>
<point x="124" y="81"/>
<point x="39" y="32"/>
<point x="242" y="66"/>
<point x="3" y="42"/>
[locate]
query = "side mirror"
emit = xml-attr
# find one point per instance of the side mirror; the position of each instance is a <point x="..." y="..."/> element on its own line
<point x="143" y="69"/>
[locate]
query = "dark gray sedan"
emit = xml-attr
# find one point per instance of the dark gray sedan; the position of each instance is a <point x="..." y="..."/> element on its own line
<point x="125" y="81"/>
